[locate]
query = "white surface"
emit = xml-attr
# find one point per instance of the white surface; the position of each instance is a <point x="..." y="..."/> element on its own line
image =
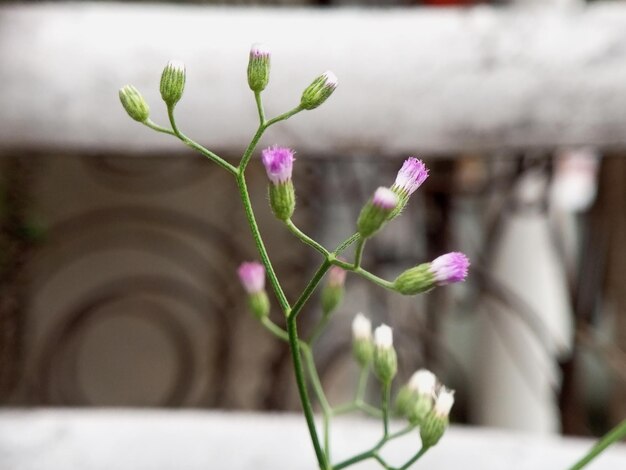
<point x="410" y="80"/>
<point x="160" y="440"/>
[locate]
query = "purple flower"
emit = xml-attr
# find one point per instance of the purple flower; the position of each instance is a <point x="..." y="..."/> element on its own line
<point x="252" y="276"/>
<point x="278" y="162"/>
<point x="411" y="176"/>
<point x="449" y="268"/>
<point x="385" y="199"/>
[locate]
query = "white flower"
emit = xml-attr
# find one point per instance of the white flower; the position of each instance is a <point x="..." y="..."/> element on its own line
<point x="423" y="382"/>
<point x="444" y="402"/>
<point x="361" y="327"/>
<point x="383" y="337"/>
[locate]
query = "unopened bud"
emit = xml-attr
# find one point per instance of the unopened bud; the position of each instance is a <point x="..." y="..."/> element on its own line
<point x="258" y="67"/>
<point x="436" y="422"/>
<point x="259" y="304"/>
<point x="278" y="162"/>
<point x="173" y="82"/>
<point x="362" y="345"/>
<point x="376" y="211"/>
<point x="134" y="104"/>
<point x="385" y="359"/>
<point x="332" y="294"/>
<point x="319" y="91"/>
<point x="446" y="269"/>
<point x="252" y="277"/>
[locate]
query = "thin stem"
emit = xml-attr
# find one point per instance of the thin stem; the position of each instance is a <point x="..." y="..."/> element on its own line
<point x="616" y="434"/>
<point x="154" y="126"/>
<point x="364" y="274"/>
<point x="414" y="459"/>
<point x="305" y="238"/>
<point x="310" y="288"/>
<point x="327" y="410"/>
<point x="362" y="384"/>
<point x="259" y="107"/>
<point x="319" y="329"/>
<point x="359" y="252"/>
<point x="194" y="145"/>
<point x="254" y="228"/>
<point x="385" y="407"/>
<point x="275" y="329"/>
<point x="294" y="347"/>
<point x="346" y="243"/>
<point x="245" y="159"/>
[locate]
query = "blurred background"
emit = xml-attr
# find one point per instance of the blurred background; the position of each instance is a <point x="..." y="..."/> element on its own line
<point x="118" y="247"/>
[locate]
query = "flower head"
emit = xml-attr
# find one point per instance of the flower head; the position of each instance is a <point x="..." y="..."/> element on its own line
<point x="385" y="199"/>
<point x="258" y="67"/>
<point x="423" y="382"/>
<point x="134" y="104"/>
<point x="252" y="276"/>
<point x="278" y="162"/>
<point x="383" y="337"/>
<point x="173" y="82"/>
<point x="319" y="91"/>
<point x="259" y="50"/>
<point x="449" y="268"/>
<point x="444" y="402"/>
<point x="411" y="176"/>
<point x="361" y="327"/>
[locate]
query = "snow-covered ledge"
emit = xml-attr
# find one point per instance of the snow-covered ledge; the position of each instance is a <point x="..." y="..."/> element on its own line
<point x="430" y="80"/>
<point x="194" y="440"/>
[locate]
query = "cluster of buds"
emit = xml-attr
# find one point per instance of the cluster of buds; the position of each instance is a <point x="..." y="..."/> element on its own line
<point x="258" y="67"/>
<point x="446" y="269"/>
<point x="426" y="404"/>
<point x="278" y="162"/>
<point x="252" y="277"/>
<point x="332" y="294"/>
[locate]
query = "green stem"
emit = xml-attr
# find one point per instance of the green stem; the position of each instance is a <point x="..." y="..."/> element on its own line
<point x="259" y="107"/>
<point x="364" y="274"/>
<point x="385" y="407"/>
<point x="414" y="459"/>
<point x="359" y="252"/>
<point x="305" y="238"/>
<point x="294" y="347"/>
<point x="194" y="145"/>
<point x="327" y="410"/>
<point x="362" y="384"/>
<point x="254" y="228"/>
<point x="275" y="329"/>
<point x="616" y="434"/>
<point x="283" y="116"/>
<point x="346" y="243"/>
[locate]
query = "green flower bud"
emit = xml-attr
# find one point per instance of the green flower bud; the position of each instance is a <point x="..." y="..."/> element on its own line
<point x="318" y="91"/>
<point x="259" y="304"/>
<point x="258" y="67"/>
<point x="436" y="421"/>
<point x="173" y="82"/>
<point x="362" y="345"/>
<point x="385" y="359"/>
<point x="419" y="409"/>
<point x="134" y="104"/>
<point x="282" y="199"/>
<point x="376" y="212"/>
<point x="415" y="280"/>
<point x="332" y="294"/>
<point x="404" y="401"/>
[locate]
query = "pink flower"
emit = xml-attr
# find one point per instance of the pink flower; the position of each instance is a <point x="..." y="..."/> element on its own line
<point x="336" y="276"/>
<point x="411" y="176"/>
<point x="449" y="268"/>
<point x="252" y="276"/>
<point x="278" y="162"/>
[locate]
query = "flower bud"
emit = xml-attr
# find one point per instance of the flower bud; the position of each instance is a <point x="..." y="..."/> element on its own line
<point x="173" y="82"/>
<point x="385" y="359"/>
<point x="332" y="294"/>
<point x="436" y="422"/>
<point x="446" y="269"/>
<point x="134" y="104"/>
<point x="252" y="276"/>
<point x="410" y="177"/>
<point x="362" y="346"/>
<point x="415" y="399"/>
<point x="258" y="67"/>
<point x="278" y="162"/>
<point x="319" y="91"/>
<point x="376" y="211"/>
